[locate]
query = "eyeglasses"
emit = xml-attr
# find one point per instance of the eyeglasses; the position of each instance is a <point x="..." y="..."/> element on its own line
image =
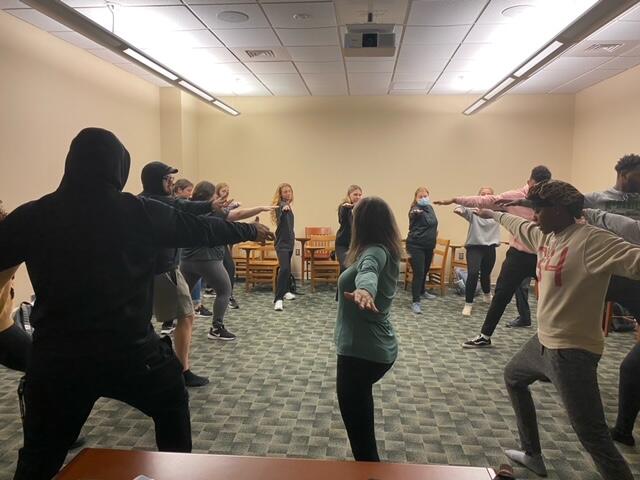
<point x="168" y="178"/>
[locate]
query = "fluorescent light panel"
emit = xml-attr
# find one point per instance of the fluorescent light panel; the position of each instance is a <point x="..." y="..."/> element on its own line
<point x="475" y="106"/>
<point x="504" y="84"/>
<point x="546" y="52"/>
<point x="225" y="107"/>
<point x="151" y="64"/>
<point x="196" y="90"/>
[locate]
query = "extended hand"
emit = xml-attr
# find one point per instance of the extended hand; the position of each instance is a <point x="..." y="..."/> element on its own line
<point x="347" y="205"/>
<point x="444" y="202"/>
<point x="483" y="212"/>
<point x="269" y="208"/>
<point x="220" y="203"/>
<point x="263" y="233"/>
<point x="363" y="299"/>
<point x="286" y="208"/>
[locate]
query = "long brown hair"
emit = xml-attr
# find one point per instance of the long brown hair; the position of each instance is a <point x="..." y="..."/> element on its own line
<point x="181" y="184"/>
<point x="350" y="190"/>
<point x="277" y="198"/>
<point x="418" y="190"/>
<point x="373" y="224"/>
<point x="219" y="187"/>
<point x="3" y="213"/>
<point x="203" y="191"/>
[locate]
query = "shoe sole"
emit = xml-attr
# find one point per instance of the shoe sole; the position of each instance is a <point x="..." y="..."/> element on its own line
<point x="200" y="315"/>
<point x="213" y="337"/>
<point x="518" y="326"/>
<point x="464" y="345"/>
<point x="167" y="332"/>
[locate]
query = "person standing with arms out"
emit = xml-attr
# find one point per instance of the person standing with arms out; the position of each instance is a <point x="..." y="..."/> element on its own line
<point x="282" y="217"/>
<point x="366" y="343"/>
<point x="482" y="239"/>
<point x="345" y="217"/>
<point x="421" y="241"/>
<point x="222" y="192"/>
<point x="574" y="265"/>
<point x="520" y="262"/>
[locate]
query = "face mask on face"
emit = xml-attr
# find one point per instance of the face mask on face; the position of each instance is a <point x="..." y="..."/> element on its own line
<point x="424" y="201"/>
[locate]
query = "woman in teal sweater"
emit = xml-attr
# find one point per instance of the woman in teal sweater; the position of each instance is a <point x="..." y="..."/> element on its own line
<point x="366" y="343"/>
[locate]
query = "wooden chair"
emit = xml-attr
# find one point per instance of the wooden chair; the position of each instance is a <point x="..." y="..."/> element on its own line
<point x="240" y="260"/>
<point x="323" y="268"/>
<point x="607" y="317"/>
<point x="308" y="232"/>
<point x="262" y="267"/>
<point x="436" y="277"/>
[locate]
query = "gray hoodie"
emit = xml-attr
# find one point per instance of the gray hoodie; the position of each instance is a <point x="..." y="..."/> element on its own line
<point x="615" y="201"/>
<point x="482" y="231"/>
<point x="622" y="226"/>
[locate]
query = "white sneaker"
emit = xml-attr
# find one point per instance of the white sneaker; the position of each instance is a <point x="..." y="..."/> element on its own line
<point x="289" y="296"/>
<point x="279" y="306"/>
<point x="466" y="311"/>
<point x="487" y="297"/>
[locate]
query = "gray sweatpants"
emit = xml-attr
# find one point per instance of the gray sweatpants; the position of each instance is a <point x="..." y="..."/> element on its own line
<point x="574" y="374"/>
<point x="216" y="277"/>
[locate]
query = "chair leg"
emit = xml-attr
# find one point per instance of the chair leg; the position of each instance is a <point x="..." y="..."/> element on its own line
<point x="607" y="317"/>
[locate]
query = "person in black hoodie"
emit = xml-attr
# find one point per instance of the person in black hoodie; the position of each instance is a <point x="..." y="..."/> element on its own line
<point x="172" y="297"/>
<point x="90" y="251"/>
<point x="345" y="218"/>
<point x="421" y="241"/>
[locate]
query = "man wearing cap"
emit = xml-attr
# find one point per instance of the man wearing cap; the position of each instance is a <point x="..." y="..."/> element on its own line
<point x="171" y="295"/>
<point x="574" y="264"/>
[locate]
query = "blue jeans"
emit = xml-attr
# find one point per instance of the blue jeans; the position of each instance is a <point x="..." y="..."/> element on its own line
<point x="196" y="292"/>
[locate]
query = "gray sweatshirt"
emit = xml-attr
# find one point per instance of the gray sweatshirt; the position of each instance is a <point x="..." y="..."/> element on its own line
<point x="615" y="201"/>
<point x="482" y="231"/>
<point x="625" y="227"/>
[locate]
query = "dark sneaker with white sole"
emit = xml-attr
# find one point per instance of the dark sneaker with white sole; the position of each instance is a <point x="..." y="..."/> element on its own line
<point x="167" y="328"/>
<point x="220" y="333"/>
<point x="233" y="303"/>
<point x="477" y="342"/>
<point x="518" y="323"/>
<point x="203" y="312"/>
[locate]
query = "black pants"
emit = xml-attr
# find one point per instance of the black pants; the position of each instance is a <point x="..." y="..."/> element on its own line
<point x="625" y="292"/>
<point x="341" y="256"/>
<point x="516" y="267"/>
<point x="60" y="392"/>
<point x="629" y="391"/>
<point x="354" y="384"/>
<point x="522" y="300"/>
<point x="420" y="263"/>
<point x="480" y="262"/>
<point x="284" y="271"/>
<point x="230" y="266"/>
<point x="15" y="347"/>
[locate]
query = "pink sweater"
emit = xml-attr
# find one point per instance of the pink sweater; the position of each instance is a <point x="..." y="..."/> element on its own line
<point x="489" y="201"/>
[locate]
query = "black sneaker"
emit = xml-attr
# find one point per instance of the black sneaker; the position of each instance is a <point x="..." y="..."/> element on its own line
<point x="202" y="311"/>
<point x="624" y="438"/>
<point x="518" y="323"/>
<point x="209" y="292"/>
<point x="233" y="303"/>
<point x="220" y="333"/>
<point x="477" y="342"/>
<point x="167" y="328"/>
<point x="193" y="380"/>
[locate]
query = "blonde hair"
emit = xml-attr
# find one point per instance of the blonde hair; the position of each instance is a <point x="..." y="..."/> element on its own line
<point x="418" y="190"/>
<point x="486" y="188"/>
<point x="277" y="198"/>
<point x="219" y="187"/>
<point x="350" y="190"/>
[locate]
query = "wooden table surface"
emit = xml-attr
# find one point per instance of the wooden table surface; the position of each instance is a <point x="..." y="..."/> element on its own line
<point x="105" y="464"/>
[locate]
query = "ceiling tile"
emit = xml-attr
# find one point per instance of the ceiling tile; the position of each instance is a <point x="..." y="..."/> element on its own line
<point x="632" y="15"/>
<point x="163" y="18"/>
<point x="39" y="20"/>
<point x="634" y="52"/>
<point x="214" y="2"/>
<point x="428" y="77"/>
<point x="493" y="12"/>
<point x="326" y="83"/>
<point x="209" y="14"/>
<point x="193" y="38"/>
<point x="408" y="92"/>
<point x="285" y="84"/>
<point x="585" y="81"/>
<point x="413" y="86"/>
<point x="107" y="55"/>
<point x="315" y="54"/>
<point x="301" y="15"/>
<point x="435" y="35"/>
<point x="421" y="52"/>
<point x="252" y="54"/>
<point x="234" y="84"/>
<point x="76" y="39"/>
<point x="621" y="63"/>
<point x="320" y="67"/>
<point x="194" y="56"/>
<point x="4" y="4"/>
<point x="271" y="67"/>
<point x="382" y="66"/>
<point x="578" y="65"/>
<point x="441" y="88"/>
<point x="545" y="81"/>
<point x="101" y="15"/>
<point x="294" y="37"/>
<point x="125" y="3"/>
<point x="445" y="12"/>
<point x="157" y="81"/>
<point x="248" y="37"/>
<point x="618" y="31"/>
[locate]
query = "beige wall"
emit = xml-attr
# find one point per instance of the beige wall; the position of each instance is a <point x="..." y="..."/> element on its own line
<point x="388" y="145"/>
<point x="607" y="122"/>
<point x="49" y="90"/>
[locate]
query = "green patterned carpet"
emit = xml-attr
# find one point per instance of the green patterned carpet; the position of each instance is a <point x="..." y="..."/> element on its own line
<point x="272" y="392"/>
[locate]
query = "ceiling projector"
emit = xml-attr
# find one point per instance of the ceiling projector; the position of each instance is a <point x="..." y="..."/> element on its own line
<point x="369" y="40"/>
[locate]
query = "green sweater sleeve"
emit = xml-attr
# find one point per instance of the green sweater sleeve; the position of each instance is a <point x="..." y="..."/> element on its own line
<point x="369" y="266"/>
<point x="525" y="231"/>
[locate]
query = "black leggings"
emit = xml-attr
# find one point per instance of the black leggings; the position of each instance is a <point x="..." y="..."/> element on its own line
<point x="284" y="262"/>
<point x="629" y="391"/>
<point x="230" y="266"/>
<point x="15" y="347"/>
<point x="480" y="262"/>
<point x="354" y="385"/>
<point x="420" y="263"/>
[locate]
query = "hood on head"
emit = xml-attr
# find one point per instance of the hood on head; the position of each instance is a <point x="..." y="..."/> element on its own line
<point x="152" y="174"/>
<point x="96" y="158"/>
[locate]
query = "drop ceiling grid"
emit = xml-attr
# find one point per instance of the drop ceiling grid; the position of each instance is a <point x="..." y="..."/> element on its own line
<point x="438" y="41"/>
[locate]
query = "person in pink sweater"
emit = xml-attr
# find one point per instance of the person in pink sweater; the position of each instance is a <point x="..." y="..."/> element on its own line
<point x="520" y="262"/>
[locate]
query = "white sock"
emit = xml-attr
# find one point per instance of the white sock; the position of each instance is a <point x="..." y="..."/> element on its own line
<point x="486" y="337"/>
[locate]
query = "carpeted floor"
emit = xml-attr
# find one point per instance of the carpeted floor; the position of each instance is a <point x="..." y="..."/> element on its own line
<point x="272" y="392"/>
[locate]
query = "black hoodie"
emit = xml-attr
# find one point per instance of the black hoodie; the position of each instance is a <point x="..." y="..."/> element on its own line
<point x="152" y="173"/>
<point x="423" y="228"/>
<point x="90" y="251"/>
